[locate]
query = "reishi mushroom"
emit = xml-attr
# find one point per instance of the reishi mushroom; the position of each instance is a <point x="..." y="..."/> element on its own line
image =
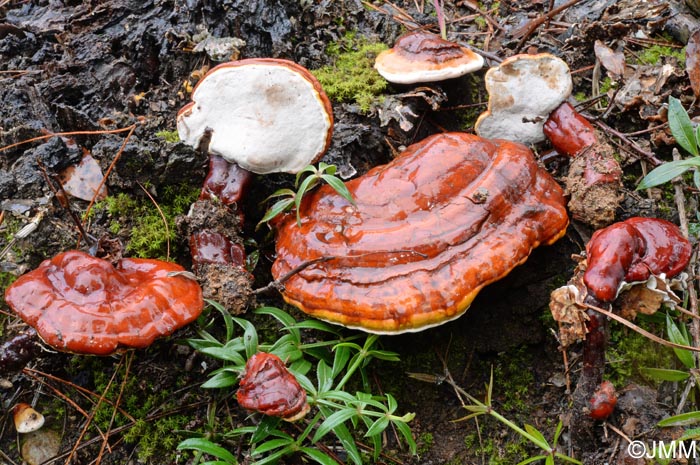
<point x="268" y="387"/>
<point x="633" y="250"/>
<point x="82" y="304"/>
<point x="266" y="115"/>
<point x="593" y="182"/>
<point x="421" y="56"/>
<point x="523" y="91"/>
<point x="450" y="215"/>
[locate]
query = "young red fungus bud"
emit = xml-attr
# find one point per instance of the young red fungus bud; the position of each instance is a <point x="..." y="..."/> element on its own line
<point x="269" y="388"/>
<point x="603" y="401"/>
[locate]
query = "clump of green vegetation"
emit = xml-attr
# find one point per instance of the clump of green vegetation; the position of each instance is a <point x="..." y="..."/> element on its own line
<point x="652" y="55"/>
<point x="424" y="442"/>
<point x="352" y="77"/>
<point x="139" y="399"/>
<point x="169" y="136"/>
<point x="148" y="236"/>
<point x="322" y="368"/>
<point x="629" y="351"/>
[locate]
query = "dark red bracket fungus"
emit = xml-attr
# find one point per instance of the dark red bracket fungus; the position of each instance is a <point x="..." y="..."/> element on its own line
<point x="593" y="182"/>
<point x="266" y="115"/>
<point x="450" y="215"/>
<point x="269" y="388"/>
<point x="82" y="304"/>
<point x="633" y="250"/>
<point x="421" y="56"/>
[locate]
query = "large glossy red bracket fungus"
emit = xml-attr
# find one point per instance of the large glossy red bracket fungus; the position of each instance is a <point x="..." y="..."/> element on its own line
<point x="450" y="215"/>
<point x="633" y="250"/>
<point x="82" y="304"/>
<point x="266" y="115"/>
<point x="421" y="56"/>
<point x="269" y="388"/>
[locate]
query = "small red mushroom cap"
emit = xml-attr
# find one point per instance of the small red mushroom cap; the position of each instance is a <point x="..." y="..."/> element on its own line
<point x="568" y="131"/>
<point x="632" y="250"/>
<point x="603" y="402"/>
<point x="26" y="418"/>
<point x="82" y="304"/>
<point x="420" y="56"/>
<point x="269" y="388"/>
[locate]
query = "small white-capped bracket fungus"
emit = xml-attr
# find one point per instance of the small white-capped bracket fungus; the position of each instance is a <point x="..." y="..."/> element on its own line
<point x="523" y="91"/>
<point x="266" y="115"/>
<point x="420" y="56"/>
<point x="26" y="418"/>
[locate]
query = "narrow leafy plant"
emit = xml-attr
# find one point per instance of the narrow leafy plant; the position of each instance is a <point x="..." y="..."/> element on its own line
<point x="529" y="432"/>
<point x="323" y="368"/>
<point x="688" y="137"/>
<point x="306" y="179"/>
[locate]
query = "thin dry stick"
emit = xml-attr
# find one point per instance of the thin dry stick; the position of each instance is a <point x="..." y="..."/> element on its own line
<point x="524" y="32"/>
<point x="105" y="443"/>
<point x="29" y="373"/>
<point x="86" y="393"/>
<point x="639" y="330"/>
<point x="92" y="413"/>
<point x="649" y="156"/>
<point x="165" y="221"/>
<point x="125" y="427"/>
<point x="131" y="129"/>
<point x="61" y="134"/>
<point x="489" y="19"/>
<point x="679" y="197"/>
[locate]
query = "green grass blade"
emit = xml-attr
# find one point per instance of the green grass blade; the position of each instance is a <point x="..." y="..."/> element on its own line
<point x="681" y="126"/>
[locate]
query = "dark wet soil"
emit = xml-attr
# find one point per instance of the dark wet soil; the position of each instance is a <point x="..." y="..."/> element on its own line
<point x="90" y="67"/>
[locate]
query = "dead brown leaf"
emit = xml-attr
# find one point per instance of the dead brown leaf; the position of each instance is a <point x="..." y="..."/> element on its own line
<point x="611" y="60"/>
<point x="692" y="61"/>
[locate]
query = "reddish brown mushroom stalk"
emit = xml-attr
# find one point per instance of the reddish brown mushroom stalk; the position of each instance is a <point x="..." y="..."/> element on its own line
<point x="594" y="179"/>
<point x="82" y="304"/>
<point x="633" y="250"/>
<point x="225" y="181"/>
<point x="429" y="230"/>
<point x="269" y="388"/>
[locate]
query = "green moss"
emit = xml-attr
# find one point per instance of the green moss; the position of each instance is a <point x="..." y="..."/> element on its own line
<point x="139" y="399"/>
<point x="424" y="442"/>
<point x="148" y="236"/>
<point x="352" y="77"/>
<point x="512" y="384"/>
<point x="169" y="136"/>
<point x="629" y="351"/>
<point x="652" y="55"/>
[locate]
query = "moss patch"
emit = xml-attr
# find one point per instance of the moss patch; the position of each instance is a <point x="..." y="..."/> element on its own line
<point x="169" y="136"/>
<point x="148" y="236"/>
<point x="652" y="55"/>
<point x="352" y="77"/>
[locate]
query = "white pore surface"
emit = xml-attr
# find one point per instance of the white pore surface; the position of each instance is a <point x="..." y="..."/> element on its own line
<point x="523" y="91"/>
<point x="265" y="117"/>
